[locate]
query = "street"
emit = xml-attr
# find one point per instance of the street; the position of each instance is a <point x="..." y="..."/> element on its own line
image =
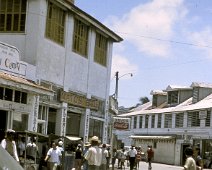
<point x="155" y="166"/>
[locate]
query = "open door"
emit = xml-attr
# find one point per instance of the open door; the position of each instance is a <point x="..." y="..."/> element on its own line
<point x="3" y="123"/>
<point x="183" y="156"/>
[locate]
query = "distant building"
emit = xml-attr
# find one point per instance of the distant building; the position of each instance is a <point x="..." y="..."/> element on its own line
<point x="67" y="54"/>
<point x="176" y="118"/>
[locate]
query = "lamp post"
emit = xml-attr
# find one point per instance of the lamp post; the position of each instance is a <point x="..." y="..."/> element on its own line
<point x="117" y="80"/>
<point x="115" y="96"/>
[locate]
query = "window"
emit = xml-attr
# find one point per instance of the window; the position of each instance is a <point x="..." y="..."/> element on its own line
<point x="100" y="55"/>
<point x="153" y="121"/>
<point x="12" y="15"/>
<point x="135" y="122"/>
<point x="8" y="94"/>
<point x="179" y="120"/>
<point x="20" y="121"/>
<point x="168" y="121"/>
<point x="141" y="122"/>
<point x="208" y="119"/>
<point x="80" y="42"/>
<point x="51" y="121"/>
<point x="95" y="128"/>
<point x="159" y="120"/>
<point x="172" y="97"/>
<point x="43" y="112"/>
<point x="146" y="121"/>
<point x="193" y="119"/>
<point x="55" y="23"/>
<point x="20" y="97"/>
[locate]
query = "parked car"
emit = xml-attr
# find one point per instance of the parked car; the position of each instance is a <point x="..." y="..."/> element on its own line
<point x="7" y="162"/>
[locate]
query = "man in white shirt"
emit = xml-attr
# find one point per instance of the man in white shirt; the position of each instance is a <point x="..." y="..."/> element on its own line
<point x="54" y="157"/>
<point x="132" y="153"/>
<point x="94" y="154"/>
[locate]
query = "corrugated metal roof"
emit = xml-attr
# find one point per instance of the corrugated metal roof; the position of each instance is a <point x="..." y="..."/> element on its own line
<point x="152" y="137"/>
<point x="198" y="84"/>
<point x="175" y="87"/>
<point x="6" y="78"/>
<point x="185" y="106"/>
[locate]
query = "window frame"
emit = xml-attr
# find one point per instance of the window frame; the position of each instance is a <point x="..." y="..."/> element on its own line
<point x="17" y="12"/>
<point x="100" y="50"/>
<point x="80" y="37"/>
<point x="55" y="23"/>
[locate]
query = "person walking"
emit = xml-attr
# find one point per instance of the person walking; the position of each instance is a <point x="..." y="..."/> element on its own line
<point x="78" y="157"/>
<point x="150" y="156"/>
<point x="9" y="144"/>
<point x="190" y="163"/>
<point x="85" y="162"/>
<point x="108" y="158"/>
<point x="53" y="157"/>
<point x="132" y="153"/>
<point x="114" y="156"/>
<point x="104" y="158"/>
<point x="94" y="154"/>
<point x="138" y="157"/>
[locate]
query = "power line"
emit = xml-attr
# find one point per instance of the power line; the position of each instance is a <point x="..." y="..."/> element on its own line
<point x="170" y="41"/>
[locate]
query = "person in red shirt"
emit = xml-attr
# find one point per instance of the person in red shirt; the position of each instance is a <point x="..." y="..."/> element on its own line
<point x="150" y="156"/>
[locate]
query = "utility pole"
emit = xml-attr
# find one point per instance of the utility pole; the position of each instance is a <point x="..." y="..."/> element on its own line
<point x="116" y="90"/>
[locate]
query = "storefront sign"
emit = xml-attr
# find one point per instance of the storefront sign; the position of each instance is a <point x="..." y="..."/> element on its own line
<point x="10" y="60"/>
<point x="121" y="123"/>
<point x="77" y="100"/>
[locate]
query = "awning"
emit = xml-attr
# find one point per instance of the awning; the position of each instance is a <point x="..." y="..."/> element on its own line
<point x="71" y="138"/>
<point x="22" y="83"/>
<point x="153" y="137"/>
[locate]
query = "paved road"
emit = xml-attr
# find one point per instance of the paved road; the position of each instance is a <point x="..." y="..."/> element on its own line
<point x="156" y="166"/>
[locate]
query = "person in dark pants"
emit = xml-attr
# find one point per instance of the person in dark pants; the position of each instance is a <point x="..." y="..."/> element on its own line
<point x="132" y="153"/>
<point x="150" y="156"/>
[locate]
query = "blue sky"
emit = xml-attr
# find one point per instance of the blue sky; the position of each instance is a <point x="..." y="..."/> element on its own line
<point x="166" y="42"/>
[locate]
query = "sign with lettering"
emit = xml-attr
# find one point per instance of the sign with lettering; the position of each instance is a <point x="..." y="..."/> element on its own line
<point x="10" y="60"/>
<point x="121" y="123"/>
<point x="77" y="100"/>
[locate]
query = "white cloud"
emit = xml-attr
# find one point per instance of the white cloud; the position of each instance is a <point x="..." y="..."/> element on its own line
<point x="154" y="19"/>
<point x="203" y="39"/>
<point x="123" y="66"/>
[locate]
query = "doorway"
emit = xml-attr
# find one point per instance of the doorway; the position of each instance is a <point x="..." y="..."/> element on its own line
<point x="183" y="156"/>
<point x="3" y="123"/>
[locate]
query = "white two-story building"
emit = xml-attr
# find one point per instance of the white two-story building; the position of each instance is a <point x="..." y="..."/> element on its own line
<point x="176" y="118"/>
<point x="70" y="53"/>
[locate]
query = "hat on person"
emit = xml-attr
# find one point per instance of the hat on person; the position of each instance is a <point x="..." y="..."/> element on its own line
<point x="60" y="143"/>
<point x="79" y="145"/>
<point x="10" y="131"/>
<point x="95" y="139"/>
<point x="87" y="144"/>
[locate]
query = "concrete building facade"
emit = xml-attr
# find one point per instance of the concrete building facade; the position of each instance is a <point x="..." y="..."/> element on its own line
<point x="172" y="123"/>
<point x="71" y="53"/>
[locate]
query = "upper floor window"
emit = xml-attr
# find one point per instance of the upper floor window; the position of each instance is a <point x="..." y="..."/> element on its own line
<point x="80" y="38"/>
<point x="146" y="121"/>
<point x="100" y="55"/>
<point x="179" y="120"/>
<point x="168" y="121"/>
<point x="12" y="15"/>
<point x="159" y="120"/>
<point x="141" y="122"/>
<point x="172" y="97"/>
<point x="135" y="122"/>
<point x="193" y="119"/>
<point x="13" y="95"/>
<point x="55" y="23"/>
<point x="208" y="119"/>
<point x="153" y="121"/>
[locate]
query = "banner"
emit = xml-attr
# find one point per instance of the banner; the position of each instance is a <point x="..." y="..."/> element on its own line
<point x="121" y="123"/>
